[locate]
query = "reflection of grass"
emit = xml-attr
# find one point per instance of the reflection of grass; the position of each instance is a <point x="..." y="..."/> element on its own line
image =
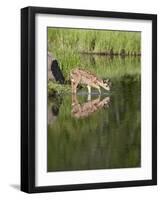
<point x="103" y="67"/>
<point x="106" y="67"/>
<point x="109" y="138"/>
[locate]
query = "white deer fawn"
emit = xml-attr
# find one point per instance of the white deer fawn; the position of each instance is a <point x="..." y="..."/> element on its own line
<point x="80" y="76"/>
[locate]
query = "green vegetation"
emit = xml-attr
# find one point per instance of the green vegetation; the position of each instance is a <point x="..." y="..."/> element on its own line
<point x="66" y="45"/>
<point x="55" y="88"/>
<point x="104" y="67"/>
<point x="110" y="137"/>
<point x="81" y="40"/>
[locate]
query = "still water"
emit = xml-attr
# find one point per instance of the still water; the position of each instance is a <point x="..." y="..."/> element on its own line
<point x="98" y="131"/>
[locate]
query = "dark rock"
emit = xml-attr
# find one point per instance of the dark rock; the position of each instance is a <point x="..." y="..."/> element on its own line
<point x="53" y="110"/>
<point x="56" y="71"/>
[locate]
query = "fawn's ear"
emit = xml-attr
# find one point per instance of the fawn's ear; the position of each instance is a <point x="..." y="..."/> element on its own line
<point x="109" y="82"/>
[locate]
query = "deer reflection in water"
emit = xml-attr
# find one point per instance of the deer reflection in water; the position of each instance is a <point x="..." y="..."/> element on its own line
<point x="84" y="110"/>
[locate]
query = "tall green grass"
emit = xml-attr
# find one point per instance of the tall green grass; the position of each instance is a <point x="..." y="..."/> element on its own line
<point x="93" y="40"/>
<point x="66" y="45"/>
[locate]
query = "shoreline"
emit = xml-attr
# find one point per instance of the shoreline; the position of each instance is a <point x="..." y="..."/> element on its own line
<point x="122" y="54"/>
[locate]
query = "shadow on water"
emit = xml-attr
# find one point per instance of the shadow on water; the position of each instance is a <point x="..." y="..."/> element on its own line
<point x="100" y="132"/>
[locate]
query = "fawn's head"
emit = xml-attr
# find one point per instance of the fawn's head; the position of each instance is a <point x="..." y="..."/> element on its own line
<point x="107" y="84"/>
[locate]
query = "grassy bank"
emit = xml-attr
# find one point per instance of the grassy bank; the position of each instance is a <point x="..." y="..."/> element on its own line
<point x="81" y="40"/>
<point x="66" y="45"/>
<point x="69" y="47"/>
<point x="55" y="88"/>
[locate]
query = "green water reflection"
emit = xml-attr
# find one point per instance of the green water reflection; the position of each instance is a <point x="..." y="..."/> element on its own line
<point x="107" y="136"/>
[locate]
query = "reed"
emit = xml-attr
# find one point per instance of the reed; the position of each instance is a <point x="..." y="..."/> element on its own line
<point x="66" y="45"/>
<point x="81" y="40"/>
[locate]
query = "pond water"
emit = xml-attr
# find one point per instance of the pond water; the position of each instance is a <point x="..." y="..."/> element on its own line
<point x="96" y="131"/>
